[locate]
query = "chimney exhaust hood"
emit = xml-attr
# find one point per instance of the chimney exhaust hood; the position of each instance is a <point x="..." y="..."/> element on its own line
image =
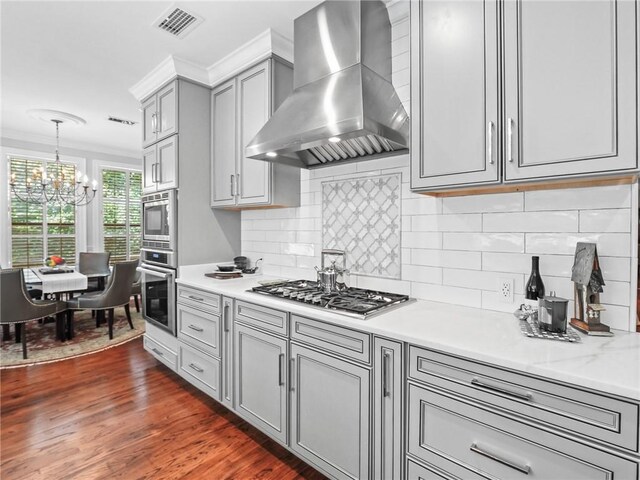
<point x="343" y="106"/>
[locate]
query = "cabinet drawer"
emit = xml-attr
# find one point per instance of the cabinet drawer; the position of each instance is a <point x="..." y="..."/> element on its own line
<point x="199" y="369"/>
<point x="415" y="471"/>
<point x="350" y="343"/>
<point x="200" y="329"/>
<point x="262" y="317"/>
<point x="470" y="442"/>
<point x="207" y="301"/>
<point x="592" y="415"/>
<point x="160" y="352"/>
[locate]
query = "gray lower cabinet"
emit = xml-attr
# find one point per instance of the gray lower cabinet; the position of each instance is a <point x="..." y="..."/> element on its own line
<point x="200" y="369"/>
<point x="260" y="380"/>
<point x="227" y="352"/>
<point x="456" y="436"/>
<point x="388" y="399"/>
<point x="330" y="407"/>
<point x="162" y="345"/>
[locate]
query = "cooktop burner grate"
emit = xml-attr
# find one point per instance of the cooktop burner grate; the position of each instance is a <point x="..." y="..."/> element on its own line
<point x="357" y="302"/>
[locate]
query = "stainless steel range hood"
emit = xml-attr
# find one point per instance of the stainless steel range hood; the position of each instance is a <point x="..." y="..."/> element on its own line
<point x="343" y="106"/>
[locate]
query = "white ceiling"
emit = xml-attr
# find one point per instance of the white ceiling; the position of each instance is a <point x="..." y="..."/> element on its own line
<point x="82" y="57"/>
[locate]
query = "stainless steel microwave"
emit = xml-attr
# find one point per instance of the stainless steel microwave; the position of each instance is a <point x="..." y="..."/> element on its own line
<point x="159" y="220"/>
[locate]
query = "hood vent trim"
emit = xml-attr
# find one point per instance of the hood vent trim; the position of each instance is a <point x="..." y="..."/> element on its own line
<point x="343" y="106"/>
<point x="177" y="22"/>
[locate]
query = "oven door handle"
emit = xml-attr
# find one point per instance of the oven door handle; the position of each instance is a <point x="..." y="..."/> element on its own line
<point x="153" y="272"/>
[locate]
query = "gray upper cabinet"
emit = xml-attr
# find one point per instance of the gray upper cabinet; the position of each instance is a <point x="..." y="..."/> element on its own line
<point x="160" y="114"/>
<point x="568" y="92"/>
<point x="454" y="93"/>
<point x="330" y="413"/>
<point x="223" y="144"/>
<point x="160" y="165"/>
<point x="260" y="380"/>
<point x="239" y="108"/>
<point x="254" y="110"/>
<point x="570" y="88"/>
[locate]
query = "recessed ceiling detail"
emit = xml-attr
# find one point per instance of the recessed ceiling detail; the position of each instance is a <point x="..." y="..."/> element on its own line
<point x="177" y="22"/>
<point x="121" y="120"/>
<point x="50" y="115"/>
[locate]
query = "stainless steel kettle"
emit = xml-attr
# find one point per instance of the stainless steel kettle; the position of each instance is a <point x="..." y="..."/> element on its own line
<point x="333" y="278"/>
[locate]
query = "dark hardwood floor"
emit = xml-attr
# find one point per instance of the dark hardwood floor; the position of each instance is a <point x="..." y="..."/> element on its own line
<point x="120" y="414"/>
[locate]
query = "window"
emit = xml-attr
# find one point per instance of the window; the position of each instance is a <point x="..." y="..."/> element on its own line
<point x="38" y="231"/>
<point x="121" y="213"/>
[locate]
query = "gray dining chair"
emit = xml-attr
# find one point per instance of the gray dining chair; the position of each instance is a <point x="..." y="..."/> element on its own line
<point x="117" y="293"/>
<point x="17" y="307"/>
<point x="94" y="263"/>
<point x="136" y="289"/>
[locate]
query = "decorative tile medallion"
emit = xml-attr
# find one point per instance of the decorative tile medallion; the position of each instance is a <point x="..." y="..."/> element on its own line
<point x="362" y="217"/>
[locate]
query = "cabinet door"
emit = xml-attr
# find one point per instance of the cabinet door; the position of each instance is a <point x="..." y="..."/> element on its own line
<point x="227" y="352"/>
<point x="167" y="100"/>
<point x="330" y="421"/>
<point x="454" y="92"/>
<point x="149" y="121"/>
<point x="260" y="380"/>
<point x="149" y="160"/>
<point x="167" y="170"/>
<point x="254" y="109"/>
<point x="223" y="144"/>
<point x="570" y="88"/>
<point x="387" y="409"/>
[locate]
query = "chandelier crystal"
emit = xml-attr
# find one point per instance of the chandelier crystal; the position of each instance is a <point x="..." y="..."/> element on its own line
<point x="57" y="187"/>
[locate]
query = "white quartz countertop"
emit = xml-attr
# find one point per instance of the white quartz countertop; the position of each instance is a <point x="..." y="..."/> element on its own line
<point x="607" y="364"/>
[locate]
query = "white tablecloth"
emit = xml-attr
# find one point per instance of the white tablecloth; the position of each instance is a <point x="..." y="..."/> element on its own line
<point x="61" y="282"/>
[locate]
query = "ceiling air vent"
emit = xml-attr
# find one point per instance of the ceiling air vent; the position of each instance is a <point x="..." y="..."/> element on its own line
<point x="121" y="120"/>
<point x="177" y="22"/>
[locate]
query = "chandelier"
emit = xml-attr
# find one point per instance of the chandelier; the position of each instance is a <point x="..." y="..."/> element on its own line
<point x="55" y="186"/>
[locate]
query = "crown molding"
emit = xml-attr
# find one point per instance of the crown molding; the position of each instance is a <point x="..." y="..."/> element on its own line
<point x="259" y="48"/>
<point x="398" y="11"/>
<point x="9" y="136"/>
<point x="167" y="70"/>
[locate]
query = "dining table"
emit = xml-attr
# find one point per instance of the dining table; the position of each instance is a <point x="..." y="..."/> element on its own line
<point x="56" y="283"/>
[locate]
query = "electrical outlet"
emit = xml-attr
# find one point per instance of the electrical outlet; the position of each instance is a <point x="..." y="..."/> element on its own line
<point x="505" y="290"/>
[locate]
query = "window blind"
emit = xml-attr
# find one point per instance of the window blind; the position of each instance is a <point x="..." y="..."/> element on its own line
<point x="39" y="231"/>
<point x="121" y="213"/>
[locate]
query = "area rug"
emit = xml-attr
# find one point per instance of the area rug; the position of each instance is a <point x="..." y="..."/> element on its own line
<point x="43" y="347"/>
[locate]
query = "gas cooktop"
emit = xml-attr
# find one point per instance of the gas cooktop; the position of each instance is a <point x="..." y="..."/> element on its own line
<point x="355" y="302"/>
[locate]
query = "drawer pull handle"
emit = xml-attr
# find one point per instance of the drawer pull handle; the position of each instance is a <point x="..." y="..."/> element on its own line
<point x="510" y="140"/>
<point x="196" y="328"/>
<point x="386" y="357"/>
<point x="521" y="396"/>
<point x="227" y="309"/>
<point x="490" y="143"/>
<point x="292" y="370"/>
<point x="526" y="469"/>
<point x="155" y="350"/>
<point x="197" y="299"/>
<point x="195" y="367"/>
<point x="280" y="369"/>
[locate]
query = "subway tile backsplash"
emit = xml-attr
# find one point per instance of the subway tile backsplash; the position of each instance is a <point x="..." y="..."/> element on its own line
<point x="457" y="249"/>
